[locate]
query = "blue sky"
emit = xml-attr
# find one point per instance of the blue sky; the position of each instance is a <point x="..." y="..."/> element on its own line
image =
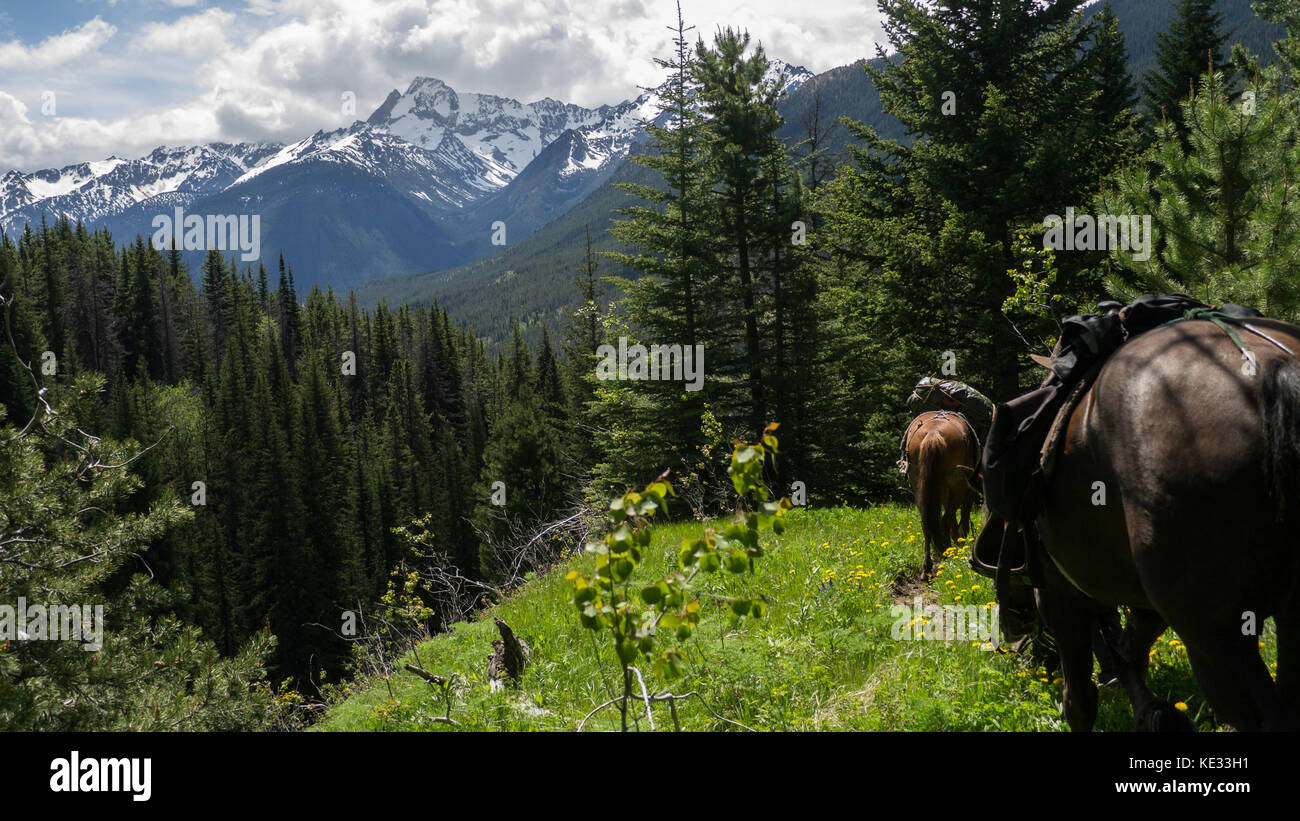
<point x="83" y="79"/>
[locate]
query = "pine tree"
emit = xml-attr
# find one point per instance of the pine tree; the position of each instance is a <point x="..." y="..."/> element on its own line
<point x="1222" y="207"/>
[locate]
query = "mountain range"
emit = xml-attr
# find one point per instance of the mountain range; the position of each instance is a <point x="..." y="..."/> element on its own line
<point x="423" y="183"/>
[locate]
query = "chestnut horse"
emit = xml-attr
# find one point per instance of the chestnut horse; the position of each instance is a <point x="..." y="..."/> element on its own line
<point x="1177" y="494"/>
<point x="943" y="453"/>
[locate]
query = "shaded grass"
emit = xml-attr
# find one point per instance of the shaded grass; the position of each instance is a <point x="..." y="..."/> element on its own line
<point x="823" y="658"/>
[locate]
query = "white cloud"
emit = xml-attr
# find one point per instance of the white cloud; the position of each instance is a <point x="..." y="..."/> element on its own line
<point x="59" y="48"/>
<point x="196" y="34"/>
<point x="276" y="69"/>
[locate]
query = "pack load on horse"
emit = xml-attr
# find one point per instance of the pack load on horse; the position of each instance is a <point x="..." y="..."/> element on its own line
<point x="949" y="396"/>
<point x="940" y="457"/>
<point x="1156" y="468"/>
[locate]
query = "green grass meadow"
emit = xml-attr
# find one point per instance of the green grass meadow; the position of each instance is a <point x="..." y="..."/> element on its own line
<point x="821" y="658"/>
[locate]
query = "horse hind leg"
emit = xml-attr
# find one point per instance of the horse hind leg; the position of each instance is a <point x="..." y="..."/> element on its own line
<point x="1150" y="713"/>
<point x="1236" y="682"/>
<point x="951" y="504"/>
<point x="968" y="499"/>
<point x="1072" y="628"/>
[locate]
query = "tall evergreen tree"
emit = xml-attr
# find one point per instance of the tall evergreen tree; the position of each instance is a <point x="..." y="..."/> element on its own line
<point x="66" y="538"/>
<point x="1002" y="98"/>
<point x="1192" y="46"/>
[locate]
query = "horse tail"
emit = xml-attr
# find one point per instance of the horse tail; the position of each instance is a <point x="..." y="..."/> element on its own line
<point x="1279" y="400"/>
<point x="933" y="480"/>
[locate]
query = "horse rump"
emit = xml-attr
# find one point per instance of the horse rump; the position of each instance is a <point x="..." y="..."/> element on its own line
<point x="932" y="483"/>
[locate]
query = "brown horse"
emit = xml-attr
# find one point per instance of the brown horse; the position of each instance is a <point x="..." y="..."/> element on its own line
<point x="1176" y="494"/>
<point x="942" y="455"/>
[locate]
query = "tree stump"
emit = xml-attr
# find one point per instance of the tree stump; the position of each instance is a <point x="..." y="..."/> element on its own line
<point x="508" y="658"/>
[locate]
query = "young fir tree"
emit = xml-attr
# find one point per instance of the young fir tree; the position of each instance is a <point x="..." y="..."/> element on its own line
<point x="1117" y="97"/>
<point x="583" y="333"/>
<point x="1223" y="207"/>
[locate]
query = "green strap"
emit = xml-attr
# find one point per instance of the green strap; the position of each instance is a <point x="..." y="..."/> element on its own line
<point x="1219" y="318"/>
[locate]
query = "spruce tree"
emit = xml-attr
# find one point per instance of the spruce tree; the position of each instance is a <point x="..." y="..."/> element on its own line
<point x="679" y="300"/>
<point x="1002" y="99"/>
<point x="1117" y="97"/>
<point x="1192" y="46"/>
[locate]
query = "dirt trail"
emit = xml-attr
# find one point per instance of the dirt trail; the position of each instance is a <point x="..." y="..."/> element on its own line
<point x="907" y="586"/>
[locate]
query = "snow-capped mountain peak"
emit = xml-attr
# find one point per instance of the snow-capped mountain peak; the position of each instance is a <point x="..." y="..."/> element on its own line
<point x="795" y="76"/>
<point x="505" y="133"/>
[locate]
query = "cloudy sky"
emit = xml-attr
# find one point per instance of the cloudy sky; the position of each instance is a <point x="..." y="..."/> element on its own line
<point x="82" y="79"/>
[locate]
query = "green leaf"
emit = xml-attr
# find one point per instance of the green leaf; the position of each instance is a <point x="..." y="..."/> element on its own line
<point x="738" y="561"/>
<point x="710" y="562"/>
<point x="623" y="568"/>
<point x="627" y="651"/>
